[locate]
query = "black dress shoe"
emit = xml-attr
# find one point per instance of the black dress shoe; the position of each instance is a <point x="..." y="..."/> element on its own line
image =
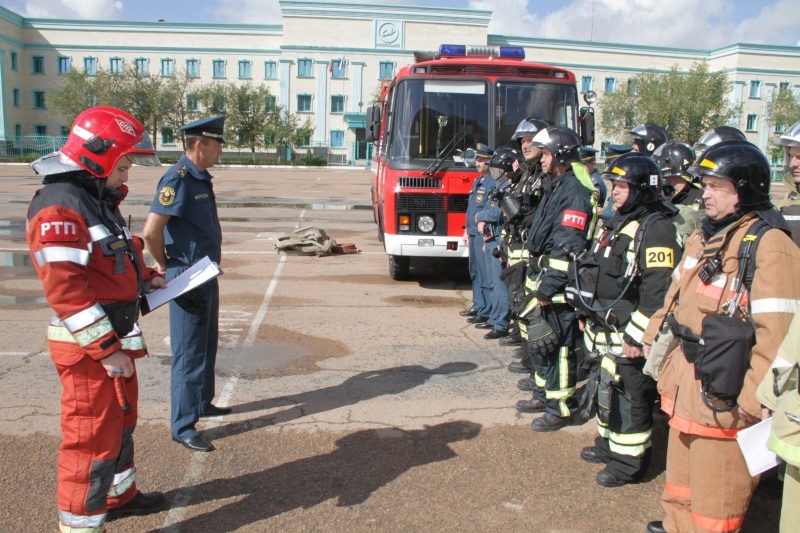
<point x="468" y="312"/>
<point x="590" y="455"/>
<point x="530" y="406"/>
<point x="657" y="526"/>
<point x="520" y="353"/>
<point x="213" y="410"/>
<point x="477" y="320"/>
<point x="141" y="504"/>
<point x="496" y="334"/>
<point x="484" y="325"/>
<point x="607" y="479"/>
<point x="548" y="423"/>
<point x="526" y="384"/>
<point x="196" y="444"/>
<point x="518" y="368"/>
<point x="511" y="341"/>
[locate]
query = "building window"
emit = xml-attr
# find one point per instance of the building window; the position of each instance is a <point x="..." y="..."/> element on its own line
<point x="337" y="103"/>
<point x="218" y="104"/>
<point x="304" y="68"/>
<point x="386" y="71"/>
<point x="90" y="66"/>
<point x="338" y="68"/>
<point x="14" y="61"/>
<point x="780" y="128"/>
<point x="270" y="103"/>
<point x="306" y="141"/>
<point x="191" y="102"/>
<point x="270" y="70"/>
<point x="586" y="84"/>
<point x="783" y="87"/>
<point x="337" y="138"/>
<point x="167" y="67"/>
<point x="15" y="96"/>
<point x="63" y="130"/>
<point x="755" y="89"/>
<point x="37" y="65"/>
<point x="218" y="68"/>
<point x="115" y="65"/>
<point x="64" y="65"/>
<point x="167" y="136"/>
<point x="40" y="129"/>
<point x="752" y="122"/>
<point x="38" y="100"/>
<point x="193" y="68"/>
<point x="18" y="131"/>
<point x="633" y="87"/>
<point x="142" y="66"/>
<point x="245" y="69"/>
<point x="611" y="84"/>
<point x="303" y="103"/>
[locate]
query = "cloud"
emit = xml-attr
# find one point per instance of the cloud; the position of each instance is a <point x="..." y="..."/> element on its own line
<point x="247" y="11"/>
<point x="775" y="24"/>
<point x="69" y="9"/>
<point x="510" y="17"/>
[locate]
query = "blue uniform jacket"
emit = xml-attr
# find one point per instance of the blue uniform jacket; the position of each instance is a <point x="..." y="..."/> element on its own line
<point x="478" y="200"/>
<point x="492" y="214"/>
<point x="193" y="231"/>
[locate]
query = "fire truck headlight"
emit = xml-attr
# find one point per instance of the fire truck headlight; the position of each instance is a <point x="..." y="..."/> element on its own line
<point x="425" y="224"/>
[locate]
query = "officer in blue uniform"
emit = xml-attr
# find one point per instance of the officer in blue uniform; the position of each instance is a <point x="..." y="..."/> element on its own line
<point x="478" y="199"/>
<point x="181" y="229"/>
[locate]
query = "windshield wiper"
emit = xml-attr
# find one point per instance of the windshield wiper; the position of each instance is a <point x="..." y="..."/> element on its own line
<point x="444" y="154"/>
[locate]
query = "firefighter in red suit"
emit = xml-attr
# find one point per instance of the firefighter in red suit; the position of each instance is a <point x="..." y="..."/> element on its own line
<point x="93" y="274"/>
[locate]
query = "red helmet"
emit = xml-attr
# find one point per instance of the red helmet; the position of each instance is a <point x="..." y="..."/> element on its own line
<point x="99" y="137"/>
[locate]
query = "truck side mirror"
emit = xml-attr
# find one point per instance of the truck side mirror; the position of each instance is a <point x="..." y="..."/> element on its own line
<point x="373" y="131"/>
<point x="586" y="118"/>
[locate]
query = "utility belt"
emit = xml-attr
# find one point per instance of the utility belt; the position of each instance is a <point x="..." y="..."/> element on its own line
<point x="122" y="315"/>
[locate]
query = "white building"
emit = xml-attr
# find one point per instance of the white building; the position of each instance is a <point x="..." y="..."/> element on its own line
<point x="326" y="61"/>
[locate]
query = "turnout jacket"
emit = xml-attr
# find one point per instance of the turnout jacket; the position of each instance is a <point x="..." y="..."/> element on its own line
<point x="658" y="254"/>
<point x="562" y="224"/>
<point x="790" y="207"/>
<point x="85" y="256"/>
<point x="772" y="302"/>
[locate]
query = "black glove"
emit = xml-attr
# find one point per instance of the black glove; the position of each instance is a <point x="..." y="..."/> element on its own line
<point x="193" y="302"/>
<point x="542" y="339"/>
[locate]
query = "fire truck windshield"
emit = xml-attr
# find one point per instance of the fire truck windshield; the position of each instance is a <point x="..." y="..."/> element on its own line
<point x="428" y="113"/>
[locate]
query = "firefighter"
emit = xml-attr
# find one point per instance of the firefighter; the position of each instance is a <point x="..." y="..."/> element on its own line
<point x="647" y="137"/>
<point x="490" y="221"/>
<point x="613" y="151"/>
<point x="717" y="135"/>
<point x="562" y="224"/>
<point x="481" y="295"/>
<point x="93" y="275"/>
<point x="779" y="392"/>
<point x="673" y="159"/>
<point x="636" y="254"/>
<point x="708" y="486"/>
<point x="790" y="206"/>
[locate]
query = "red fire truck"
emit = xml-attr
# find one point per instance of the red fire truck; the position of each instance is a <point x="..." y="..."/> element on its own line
<point x="428" y="119"/>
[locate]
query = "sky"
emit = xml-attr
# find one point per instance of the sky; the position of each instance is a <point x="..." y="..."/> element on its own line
<point x="699" y="24"/>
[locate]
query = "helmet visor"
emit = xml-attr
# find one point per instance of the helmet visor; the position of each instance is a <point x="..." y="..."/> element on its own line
<point x="144" y="153"/>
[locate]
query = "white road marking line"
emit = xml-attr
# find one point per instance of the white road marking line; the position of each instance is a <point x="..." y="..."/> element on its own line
<point x="14" y="354"/>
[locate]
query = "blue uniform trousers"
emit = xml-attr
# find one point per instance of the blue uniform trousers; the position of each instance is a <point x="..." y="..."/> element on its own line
<point x="501" y="311"/>
<point x="481" y="289"/>
<point x="194" y="333"/>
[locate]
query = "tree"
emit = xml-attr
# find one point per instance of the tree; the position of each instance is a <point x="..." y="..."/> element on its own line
<point x="686" y="105"/>
<point x="783" y="110"/>
<point x="248" y="116"/>
<point x="285" y="129"/>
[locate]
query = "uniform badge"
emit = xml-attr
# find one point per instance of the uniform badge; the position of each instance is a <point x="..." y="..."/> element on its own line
<point x="574" y="219"/>
<point x="659" y="257"/>
<point x="479" y="196"/>
<point x="166" y="196"/>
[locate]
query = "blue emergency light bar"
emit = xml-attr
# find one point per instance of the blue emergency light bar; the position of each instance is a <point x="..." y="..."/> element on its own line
<point x="461" y="50"/>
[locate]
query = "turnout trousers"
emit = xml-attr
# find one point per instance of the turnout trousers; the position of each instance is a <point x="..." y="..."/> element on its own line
<point x="95" y="458"/>
<point x="481" y="290"/>
<point x="193" y="338"/>
<point x="554" y="374"/>
<point x="708" y="486"/>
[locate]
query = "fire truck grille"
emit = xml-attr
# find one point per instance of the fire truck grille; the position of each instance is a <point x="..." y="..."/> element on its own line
<point x="493" y="70"/>
<point x="416" y="203"/>
<point x="419" y="183"/>
<point x="458" y="203"/>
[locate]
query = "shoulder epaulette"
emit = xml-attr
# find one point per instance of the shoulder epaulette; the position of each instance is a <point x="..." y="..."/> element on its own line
<point x="181" y="172"/>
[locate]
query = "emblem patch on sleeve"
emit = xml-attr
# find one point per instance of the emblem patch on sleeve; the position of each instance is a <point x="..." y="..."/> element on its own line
<point x="166" y="196"/>
<point x="58" y="229"/>
<point x="659" y="257"/>
<point x="574" y="219"/>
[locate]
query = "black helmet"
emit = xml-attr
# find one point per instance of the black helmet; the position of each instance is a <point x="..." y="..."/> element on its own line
<point x="647" y="137"/>
<point x="717" y="135"/>
<point x="504" y="159"/>
<point x="638" y="171"/>
<point x="529" y="127"/>
<point x="741" y="163"/>
<point x="562" y="142"/>
<point x="673" y="158"/>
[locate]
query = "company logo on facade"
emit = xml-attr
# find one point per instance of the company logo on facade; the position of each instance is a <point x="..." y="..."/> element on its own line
<point x="388" y="34"/>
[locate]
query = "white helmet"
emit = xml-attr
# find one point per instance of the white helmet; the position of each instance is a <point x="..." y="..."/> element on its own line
<point x="790" y="138"/>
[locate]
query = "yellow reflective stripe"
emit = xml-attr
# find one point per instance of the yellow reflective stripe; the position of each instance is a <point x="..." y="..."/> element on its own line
<point x="630" y="229"/>
<point x="632" y="451"/>
<point x="133" y="343"/>
<point x="602" y="429"/>
<point x="63" y="528"/>
<point x="708" y="164"/>
<point x="609" y="365"/>
<point x="631" y="439"/>
<point x="532" y="284"/>
<point x="640" y="319"/>
<point x="634" y="332"/>
<point x="563" y="368"/>
<point x="81" y="338"/>
<point x="540" y="381"/>
<point x="558" y="264"/>
<point x="559" y="394"/>
<point x="122" y="482"/>
<point x="559" y="299"/>
<point x="599" y="337"/>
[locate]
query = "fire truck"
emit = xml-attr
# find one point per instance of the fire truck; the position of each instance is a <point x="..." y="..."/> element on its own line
<point x="425" y="125"/>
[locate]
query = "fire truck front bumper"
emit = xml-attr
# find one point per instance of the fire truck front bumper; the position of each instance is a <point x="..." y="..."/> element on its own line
<point x="425" y="246"/>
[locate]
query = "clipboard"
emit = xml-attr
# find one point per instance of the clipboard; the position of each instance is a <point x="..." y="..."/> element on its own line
<point x="194" y="276"/>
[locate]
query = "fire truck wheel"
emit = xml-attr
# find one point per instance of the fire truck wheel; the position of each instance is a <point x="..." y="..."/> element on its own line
<point x="398" y="267"/>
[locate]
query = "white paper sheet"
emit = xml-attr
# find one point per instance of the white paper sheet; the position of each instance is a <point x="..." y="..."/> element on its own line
<point x="753" y="442"/>
<point x="192" y="277"/>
